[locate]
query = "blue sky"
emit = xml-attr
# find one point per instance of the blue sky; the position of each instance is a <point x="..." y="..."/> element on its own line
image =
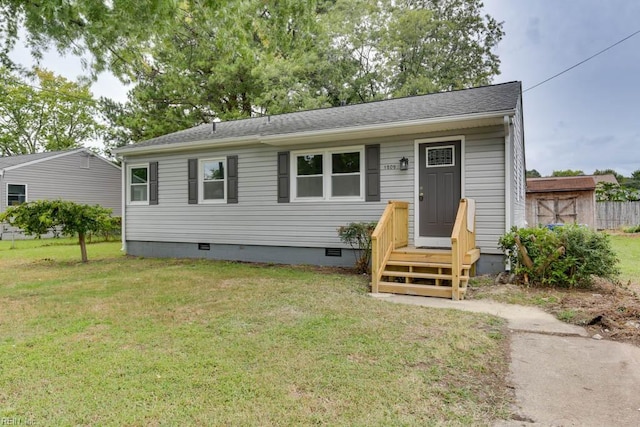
<point x="587" y="119"/>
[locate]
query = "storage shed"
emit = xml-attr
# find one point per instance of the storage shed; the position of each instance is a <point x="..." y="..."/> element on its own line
<point x="563" y="200"/>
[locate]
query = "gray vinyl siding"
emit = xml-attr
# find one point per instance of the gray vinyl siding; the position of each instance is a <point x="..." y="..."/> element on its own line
<point x="485" y="183"/>
<point x="67" y="177"/>
<point x="258" y="219"/>
<point x="518" y="187"/>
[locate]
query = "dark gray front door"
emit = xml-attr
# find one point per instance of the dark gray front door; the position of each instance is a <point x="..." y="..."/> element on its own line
<point x="439" y="187"/>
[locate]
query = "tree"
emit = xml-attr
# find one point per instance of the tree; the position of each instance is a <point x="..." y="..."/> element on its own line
<point x="619" y="177"/>
<point x="240" y="59"/>
<point x="533" y="174"/>
<point x="568" y="172"/>
<point x="608" y="191"/>
<point x="108" y="33"/>
<point x="41" y="216"/>
<point x="57" y="114"/>
<point x="195" y="61"/>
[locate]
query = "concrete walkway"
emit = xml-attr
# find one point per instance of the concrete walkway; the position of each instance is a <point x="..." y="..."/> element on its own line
<point x="562" y="377"/>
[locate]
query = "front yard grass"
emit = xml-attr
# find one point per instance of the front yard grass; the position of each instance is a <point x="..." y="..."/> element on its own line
<point x="147" y="342"/>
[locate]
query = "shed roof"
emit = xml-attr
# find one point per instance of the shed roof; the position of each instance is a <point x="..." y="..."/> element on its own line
<point x="485" y="99"/>
<point x="567" y="183"/>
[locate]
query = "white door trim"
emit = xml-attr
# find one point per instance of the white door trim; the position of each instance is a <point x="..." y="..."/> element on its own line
<point x="438" y="242"/>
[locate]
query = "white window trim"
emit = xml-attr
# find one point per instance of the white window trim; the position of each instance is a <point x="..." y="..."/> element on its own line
<point x="129" y="184"/>
<point x="201" y="181"/>
<point x="26" y="193"/>
<point x="327" y="174"/>
<point x="453" y="151"/>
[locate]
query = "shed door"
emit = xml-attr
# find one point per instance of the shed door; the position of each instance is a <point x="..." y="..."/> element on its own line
<point x="557" y="211"/>
<point x="438" y="189"/>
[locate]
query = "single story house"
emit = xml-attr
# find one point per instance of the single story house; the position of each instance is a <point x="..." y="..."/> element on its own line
<point x="564" y="200"/>
<point x="77" y="175"/>
<point x="276" y="188"/>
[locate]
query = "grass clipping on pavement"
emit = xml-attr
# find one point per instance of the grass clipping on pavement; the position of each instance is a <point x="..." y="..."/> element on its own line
<point x="145" y="342"/>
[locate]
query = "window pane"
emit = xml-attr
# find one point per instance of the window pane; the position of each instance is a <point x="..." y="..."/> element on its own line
<point x="138" y="175"/>
<point x="213" y="170"/>
<point x="345" y="185"/>
<point x="310" y="164"/>
<point x="345" y="162"/>
<point x="440" y="156"/>
<point x="310" y="186"/>
<point x="138" y="193"/>
<point x="213" y="190"/>
<point x="16" y="194"/>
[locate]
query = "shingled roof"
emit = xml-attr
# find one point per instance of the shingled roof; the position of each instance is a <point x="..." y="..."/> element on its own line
<point x="481" y="100"/>
<point x="567" y="183"/>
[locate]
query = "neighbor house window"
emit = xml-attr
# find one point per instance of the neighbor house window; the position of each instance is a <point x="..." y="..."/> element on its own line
<point x="16" y="194"/>
<point x="212" y="180"/>
<point x="332" y="174"/>
<point x="139" y="184"/>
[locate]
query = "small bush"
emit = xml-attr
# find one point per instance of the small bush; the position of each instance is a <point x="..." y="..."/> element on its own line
<point x="568" y="256"/>
<point x="632" y="229"/>
<point x="358" y="236"/>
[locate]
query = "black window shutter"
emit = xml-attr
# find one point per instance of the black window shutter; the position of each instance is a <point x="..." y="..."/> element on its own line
<point x="153" y="183"/>
<point x="283" y="177"/>
<point x="232" y="179"/>
<point x="193" y="181"/>
<point x="372" y="180"/>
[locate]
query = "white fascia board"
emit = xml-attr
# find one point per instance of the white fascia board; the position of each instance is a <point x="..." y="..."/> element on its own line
<point x="184" y="146"/>
<point x="318" y="136"/>
<point x="44" y="159"/>
<point x="388" y="129"/>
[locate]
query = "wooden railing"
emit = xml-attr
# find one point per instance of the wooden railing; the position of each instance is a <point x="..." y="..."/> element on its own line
<point x="462" y="241"/>
<point x="392" y="232"/>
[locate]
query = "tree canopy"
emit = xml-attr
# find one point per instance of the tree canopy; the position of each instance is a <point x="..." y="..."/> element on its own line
<point x="44" y="113"/>
<point x="567" y="172"/>
<point x="42" y="216"/>
<point x="194" y="61"/>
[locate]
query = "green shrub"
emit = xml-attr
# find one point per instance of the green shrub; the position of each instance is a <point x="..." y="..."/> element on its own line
<point x="632" y="229"/>
<point x="358" y="236"/>
<point x="568" y="256"/>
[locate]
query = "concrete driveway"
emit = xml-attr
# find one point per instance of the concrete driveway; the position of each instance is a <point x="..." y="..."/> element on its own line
<point x="561" y="376"/>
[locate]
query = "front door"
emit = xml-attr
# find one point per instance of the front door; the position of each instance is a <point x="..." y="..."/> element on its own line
<point x="439" y="166"/>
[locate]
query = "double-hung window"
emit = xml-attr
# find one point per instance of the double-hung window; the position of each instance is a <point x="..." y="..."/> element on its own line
<point x="138" y="178"/>
<point x="16" y="194"/>
<point x="331" y="174"/>
<point x="212" y="180"/>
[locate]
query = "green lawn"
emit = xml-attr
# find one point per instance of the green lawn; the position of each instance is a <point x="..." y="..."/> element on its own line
<point x="127" y="341"/>
<point x="627" y="248"/>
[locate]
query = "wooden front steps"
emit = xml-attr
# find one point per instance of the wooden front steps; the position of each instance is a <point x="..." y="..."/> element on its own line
<point x="401" y="269"/>
<point x="425" y="272"/>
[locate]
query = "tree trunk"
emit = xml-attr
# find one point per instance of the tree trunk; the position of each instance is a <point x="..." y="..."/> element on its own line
<point x="83" y="246"/>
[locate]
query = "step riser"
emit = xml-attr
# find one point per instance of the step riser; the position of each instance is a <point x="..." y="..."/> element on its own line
<point x="421" y="290"/>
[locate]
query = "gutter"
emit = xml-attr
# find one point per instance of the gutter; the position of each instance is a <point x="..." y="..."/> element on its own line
<point x="309" y="137"/>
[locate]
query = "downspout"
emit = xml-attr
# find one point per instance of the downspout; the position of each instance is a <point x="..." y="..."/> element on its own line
<point x="508" y="179"/>
<point x="123" y="195"/>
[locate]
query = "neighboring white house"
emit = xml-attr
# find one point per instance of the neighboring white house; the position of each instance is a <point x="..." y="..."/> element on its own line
<point x="276" y="188"/>
<point x="77" y="175"/>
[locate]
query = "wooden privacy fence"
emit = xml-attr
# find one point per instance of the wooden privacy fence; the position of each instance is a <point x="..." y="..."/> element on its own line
<point x="611" y="215"/>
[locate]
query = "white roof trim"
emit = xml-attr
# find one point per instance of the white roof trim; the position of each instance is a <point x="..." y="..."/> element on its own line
<point x="57" y="156"/>
<point x="192" y="145"/>
<point x="316" y="136"/>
